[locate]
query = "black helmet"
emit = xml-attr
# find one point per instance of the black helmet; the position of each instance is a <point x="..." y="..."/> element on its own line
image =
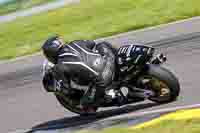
<point x="51" y="47"/>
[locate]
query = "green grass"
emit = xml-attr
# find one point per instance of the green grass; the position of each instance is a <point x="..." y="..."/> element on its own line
<point x="168" y="126"/>
<point x="90" y="20"/>
<point x="16" y="5"/>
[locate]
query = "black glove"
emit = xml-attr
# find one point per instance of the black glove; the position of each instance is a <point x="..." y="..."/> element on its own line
<point x="48" y="81"/>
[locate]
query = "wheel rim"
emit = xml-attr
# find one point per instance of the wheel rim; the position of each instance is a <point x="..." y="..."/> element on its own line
<point x="161" y="89"/>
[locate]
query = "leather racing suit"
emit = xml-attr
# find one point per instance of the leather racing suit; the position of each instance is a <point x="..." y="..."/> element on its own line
<point x="85" y="63"/>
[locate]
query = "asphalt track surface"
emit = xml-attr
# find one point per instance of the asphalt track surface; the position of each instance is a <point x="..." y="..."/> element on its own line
<point x="24" y="104"/>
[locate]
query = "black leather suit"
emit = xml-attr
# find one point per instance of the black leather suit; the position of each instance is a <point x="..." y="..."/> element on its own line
<point x="85" y="62"/>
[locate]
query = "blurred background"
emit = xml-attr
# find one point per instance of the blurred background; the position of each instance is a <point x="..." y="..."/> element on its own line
<point x="8" y="6"/>
<point x="4" y="1"/>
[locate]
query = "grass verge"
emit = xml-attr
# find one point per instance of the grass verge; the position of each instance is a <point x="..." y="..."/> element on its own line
<point x="16" y="5"/>
<point x="179" y="122"/>
<point x="90" y="19"/>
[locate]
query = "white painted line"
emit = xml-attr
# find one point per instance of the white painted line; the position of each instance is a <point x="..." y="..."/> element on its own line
<point x="151" y="28"/>
<point x="165" y="110"/>
<point x="20" y="58"/>
<point x="21" y="131"/>
<point x="36" y="10"/>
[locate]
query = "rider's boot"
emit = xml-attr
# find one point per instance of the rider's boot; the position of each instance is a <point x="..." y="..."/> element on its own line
<point x="119" y="97"/>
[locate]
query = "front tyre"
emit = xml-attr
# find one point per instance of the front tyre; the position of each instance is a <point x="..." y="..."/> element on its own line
<point x="163" y="82"/>
<point x="71" y="104"/>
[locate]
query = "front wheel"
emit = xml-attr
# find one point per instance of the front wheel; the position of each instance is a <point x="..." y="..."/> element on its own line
<point x="163" y="82"/>
<point x="71" y="103"/>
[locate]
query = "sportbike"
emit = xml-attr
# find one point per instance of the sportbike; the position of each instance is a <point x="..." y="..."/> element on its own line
<point x="141" y="76"/>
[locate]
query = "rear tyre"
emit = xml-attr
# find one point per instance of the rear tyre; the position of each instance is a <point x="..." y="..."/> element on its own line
<point x="163" y="83"/>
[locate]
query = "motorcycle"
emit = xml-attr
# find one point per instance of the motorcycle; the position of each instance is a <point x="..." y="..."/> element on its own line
<point x="141" y="76"/>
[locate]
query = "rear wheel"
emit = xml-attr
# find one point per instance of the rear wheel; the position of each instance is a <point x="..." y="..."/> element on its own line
<point x="165" y="85"/>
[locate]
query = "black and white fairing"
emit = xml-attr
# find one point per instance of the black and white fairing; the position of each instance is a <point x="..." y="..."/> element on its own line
<point x="133" y="55"/>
